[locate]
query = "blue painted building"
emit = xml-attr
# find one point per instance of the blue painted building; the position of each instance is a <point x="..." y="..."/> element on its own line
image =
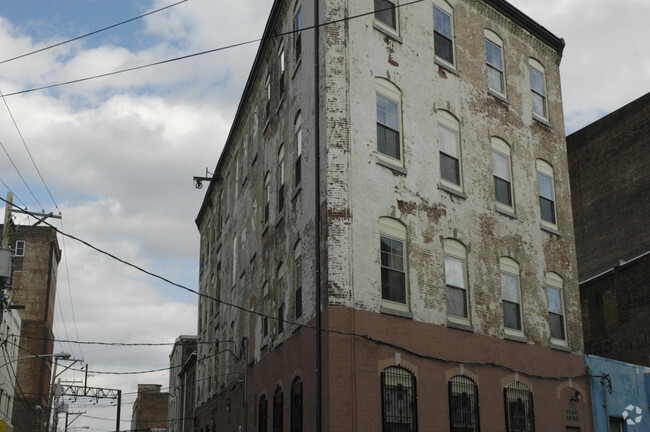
<point x="620" y="395"/>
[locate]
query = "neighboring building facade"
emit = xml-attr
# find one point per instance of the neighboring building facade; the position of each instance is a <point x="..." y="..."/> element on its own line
<point x="610" y="183"/>
<point x="33" y="285"/>
<point x="411" y="200"/>
<point x="150" y="409"/>
<point x="182" y="362"/>
<point x="9" y="329"/>
<point x="620" y="395"/>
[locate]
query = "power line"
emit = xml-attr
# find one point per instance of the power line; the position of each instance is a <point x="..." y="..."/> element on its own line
<point x="210" y="51"/>
<point x="91" y="33"/>
<point x="67" y="274"/>
<point x="21" y="176"/>
<point x="364" y="337"/>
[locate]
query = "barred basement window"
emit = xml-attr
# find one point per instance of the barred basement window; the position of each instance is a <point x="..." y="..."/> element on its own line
<point x="263" y="415"/>
<point x="520" y="415"/>
<point x="463" y="404"/>
<point x="278" y="421"/>
<point x="398" y="400"/>
<point x="296" y="405"/>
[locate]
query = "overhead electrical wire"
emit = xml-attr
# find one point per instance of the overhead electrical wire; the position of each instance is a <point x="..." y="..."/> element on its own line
<point x="326" y="330"/>
<point x="91" y="33"/>
<point x="210" y="51"/>
<point x="20" y="175"/>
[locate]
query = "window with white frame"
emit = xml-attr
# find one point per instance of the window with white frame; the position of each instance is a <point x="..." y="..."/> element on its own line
<point x="281" y="188"/>
<point x="297" y="28"/>
<point x="456" y="281"/>
<point x="502" y="169"/>
<point x="267" y="85"/>
<point x="546" y="190"/>
<point x="389" y="140"/>
<point x="386" y="13"/>
<point x="451" y="168"/>
<point x="392" y="243"/>
<point x="510" y="295"/>
<point x="538" y="88"/>
<point x="298" y="138"/>
<point x="267" y="196"/>
<point x="520" y="416"/>
<point x="398" y="400"/>
<point x="554" y="295"/>
<point x="281" y="68"/>
<point x="443" y="32"/>
<point x="494" y="58"/>
<point x="20" y="248"/>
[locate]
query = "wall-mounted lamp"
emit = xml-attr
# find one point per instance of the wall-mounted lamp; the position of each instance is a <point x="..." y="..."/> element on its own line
<point x="577" y="397"/>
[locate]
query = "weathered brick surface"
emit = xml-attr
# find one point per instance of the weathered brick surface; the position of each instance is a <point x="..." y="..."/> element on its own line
<point x="150" y="408"/>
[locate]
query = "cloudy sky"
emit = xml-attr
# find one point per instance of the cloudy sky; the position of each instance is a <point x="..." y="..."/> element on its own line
<point x="118" y="153"/>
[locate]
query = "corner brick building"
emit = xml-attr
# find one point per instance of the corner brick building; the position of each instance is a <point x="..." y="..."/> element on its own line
<point x="35" y="265"/>
<point x="610" y="183"/>
<point x="149" y="409"/>
<point x="387" y="240"/>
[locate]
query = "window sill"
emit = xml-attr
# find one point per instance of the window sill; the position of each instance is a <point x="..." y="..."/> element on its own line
<point x="280" y="218"/>
<point x="396" y="312"/>
<point x="393" y="167"/>
<point x="296" y="193"/>
<point x="560" y="347"/>
<point x="254" y="160"/>
<point x="452" y="191"/>
<point x="242" y="273"/>
<point x="266" y="124"/>
<point x="295" y="69"/>
<point x="446" y="66"/>
<point x="250" y="261"/>
<point x="459" y="326"/>
<point x="551" y="230"/>
<point x="542" y="121"/>
<point x="390" y="32"/>
<point x="266" y="229"/>
<point x="515" y="337"/>
<point x="277" y="110"/>
<point x="505" y="212"/>
<point x="498" y="96"/>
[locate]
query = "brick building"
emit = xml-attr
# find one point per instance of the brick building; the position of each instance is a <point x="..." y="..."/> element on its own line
<point x="150" y="409"/>
<point x="391" y="215"/>
<point x="182" y="376"/>
<point x="610" y="183"/>
<point x="33" y="285"/>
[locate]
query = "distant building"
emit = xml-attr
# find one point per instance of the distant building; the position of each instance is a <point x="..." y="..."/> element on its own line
<point x="182" y="362"/>
<point x="387" y="242"/>
<point x="33" y="285"/>
<point x="150" y="409"/>
<point x="610" y="189"/>
<point x="620" y="395"/>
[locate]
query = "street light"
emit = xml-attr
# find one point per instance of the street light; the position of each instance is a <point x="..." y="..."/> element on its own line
<point x="62" y="356"/>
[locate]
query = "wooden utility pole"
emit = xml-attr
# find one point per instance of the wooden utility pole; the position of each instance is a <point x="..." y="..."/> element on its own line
<point x="5" y="231"/>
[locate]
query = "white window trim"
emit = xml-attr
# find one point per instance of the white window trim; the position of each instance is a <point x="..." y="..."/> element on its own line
<point x="496" y="40"/>
<point x="546" y="169"/>
<point x="449" y="10"/>
<point x="456" y="249"/>
<point x="395" y="230"/>
<point x="555" y="281"/>
<point x="23" y="248"/>
<point x="390" y="91"/>
<point x="541" y="69"/>
<point x="502" y="147"/>
<point x="509" y="266"/>
<point x="449" y="121"/>
<point x="383" y="27"/>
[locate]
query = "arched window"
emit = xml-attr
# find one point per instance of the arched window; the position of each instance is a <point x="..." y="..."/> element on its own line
<point x="495" y="67"/>
<point x="555" y="299"/>
<point x="281" y="190"/>
<point x="297" y="256"/>
<point x="538" y="88"/>
<point x="262" y="414"/>
<point x="502" y="169"/>
<point x="520" y="416"/>
<point x="546" y="190"/>
<point x="398" y="400"/>
<point x="278" y="408"/>
<point x="267" y="196"/>
<point x="392" y="243"/>
<point x="296" y="405"/>
<point x="463" y="404"/>
<point x="456" y="280"/>
<point x="298" y="138"/>
<point x="389" y="119"/>
<point x="443" y="32"/>
<point x="510" y="294"/>
<point x="451" y="166"/>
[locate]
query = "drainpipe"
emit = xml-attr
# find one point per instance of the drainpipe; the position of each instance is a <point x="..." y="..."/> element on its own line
<point x="319" y="347"/>
<point x="602" y="381"/>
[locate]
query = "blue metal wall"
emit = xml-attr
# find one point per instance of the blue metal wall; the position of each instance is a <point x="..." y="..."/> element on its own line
<point x="629" y="397"/>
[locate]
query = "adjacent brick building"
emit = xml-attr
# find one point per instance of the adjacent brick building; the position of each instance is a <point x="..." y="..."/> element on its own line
<point x="387" y="242"/>
<point x="182" y="381"/>
<point x="150" y="409"/>
<point x="610" y="183"/>
<point x="33" y="285"/>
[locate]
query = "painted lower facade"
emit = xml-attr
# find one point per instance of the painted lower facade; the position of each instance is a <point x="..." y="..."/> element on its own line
<point x="620" y="394"/>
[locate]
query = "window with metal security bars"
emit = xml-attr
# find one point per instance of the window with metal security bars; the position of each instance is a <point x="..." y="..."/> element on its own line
<point x="572" y="415"/>
<point x="398" y="400"/>
<point x="296" y="405"/>
<point x="263" y="415"/>
<point x="518" y="402"/>
<point x="463" y="405"/>
<point x="278" y="421"/>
